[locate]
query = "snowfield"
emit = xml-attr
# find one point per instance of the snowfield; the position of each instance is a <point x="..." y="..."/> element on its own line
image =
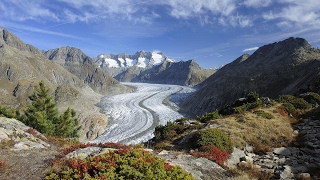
<point x="134" y="116"/>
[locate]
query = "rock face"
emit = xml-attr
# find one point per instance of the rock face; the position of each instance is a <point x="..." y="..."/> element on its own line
<point x="24" y="66"/>
<point x="200" y="168"/>
<point x="79" y="64"/>
<point x="17" y="134"/>
<point x="285" y="67"/>
<point x="153" y="67"/>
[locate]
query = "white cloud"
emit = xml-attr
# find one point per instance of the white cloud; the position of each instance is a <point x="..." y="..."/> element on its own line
<point x="250" y="49"/>
<point x="22" y="10"/>
<point x="257" y="3"/>
<point x="26" y="29"/>
<point x="193" y="8"/>
<point x="236" y="20"/>
<point x="295" y="12"/>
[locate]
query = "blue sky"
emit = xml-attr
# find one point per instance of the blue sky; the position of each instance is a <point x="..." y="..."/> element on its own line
<point x="212" y="32"/>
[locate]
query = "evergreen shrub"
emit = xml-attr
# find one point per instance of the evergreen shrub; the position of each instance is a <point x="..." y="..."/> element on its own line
<point x="214" y="137"/>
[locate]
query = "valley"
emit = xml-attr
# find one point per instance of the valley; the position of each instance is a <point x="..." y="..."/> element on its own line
<point x="135" y="115"/>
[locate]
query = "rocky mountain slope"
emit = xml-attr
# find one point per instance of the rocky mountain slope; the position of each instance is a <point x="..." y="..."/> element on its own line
<point x="23" y="66"/>
<point x="79" y="64"/>
<point x="152" y="67"/>
<point x="286" y="67"/>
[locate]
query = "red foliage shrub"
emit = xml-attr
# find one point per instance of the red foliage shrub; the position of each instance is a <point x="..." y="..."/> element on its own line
<point x="213" y="153"/>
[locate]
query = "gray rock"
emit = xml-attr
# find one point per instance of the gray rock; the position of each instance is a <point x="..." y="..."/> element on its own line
<point x="163" y="152"/>
<point x="3" y="134"/>
<point x="234" y="158"/>
<point x="282" y="151"/>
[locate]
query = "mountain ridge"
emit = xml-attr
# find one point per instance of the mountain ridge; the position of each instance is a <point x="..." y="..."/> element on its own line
<point x="152" y="67"/>
<point x="76" y="62"/>
<point x="285" y="67"/>
<point x="24" y="66"/>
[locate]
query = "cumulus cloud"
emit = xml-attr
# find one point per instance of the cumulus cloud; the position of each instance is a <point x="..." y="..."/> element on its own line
<point x="250" y="49"/>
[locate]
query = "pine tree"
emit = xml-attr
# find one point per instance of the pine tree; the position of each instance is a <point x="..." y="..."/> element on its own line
<point x="67" y="124"/>
<point x="42" y="114"/>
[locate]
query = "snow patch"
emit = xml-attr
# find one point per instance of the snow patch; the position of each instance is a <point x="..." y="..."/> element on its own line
<point x="142" y="62"/>
<point x="122" y="61"/>
<point x="158" y="59"/>
<point x="111" y="62"/>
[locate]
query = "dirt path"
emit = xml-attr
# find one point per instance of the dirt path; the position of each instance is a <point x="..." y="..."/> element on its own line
<point x="26" y="165"/>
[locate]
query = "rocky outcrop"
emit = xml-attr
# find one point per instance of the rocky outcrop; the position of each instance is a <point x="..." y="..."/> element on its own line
<point x="285" y="67"/>
<point x="17" y="136"/>
<point x="200" y="168"/>
<point x="9" y="39"/>
<point x="297" y="160"/>
<point x="82" y="66"/>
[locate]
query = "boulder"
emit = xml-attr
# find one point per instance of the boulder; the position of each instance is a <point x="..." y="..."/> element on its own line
<point x="282" y="151"/>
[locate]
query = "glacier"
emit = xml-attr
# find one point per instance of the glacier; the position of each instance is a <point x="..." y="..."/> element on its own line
<point x="134" y="116"/>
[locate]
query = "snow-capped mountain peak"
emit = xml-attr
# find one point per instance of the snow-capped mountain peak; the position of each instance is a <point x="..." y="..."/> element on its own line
<point x="140" y="59"/>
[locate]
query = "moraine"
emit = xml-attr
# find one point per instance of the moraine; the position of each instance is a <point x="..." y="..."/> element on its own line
<point x="135" y="115"/>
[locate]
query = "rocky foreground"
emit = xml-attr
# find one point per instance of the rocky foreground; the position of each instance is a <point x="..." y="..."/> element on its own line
<point x="299" y="160"/>
<point x="27" y="154"/>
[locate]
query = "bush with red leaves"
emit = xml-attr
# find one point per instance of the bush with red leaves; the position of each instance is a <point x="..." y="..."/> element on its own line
<point x="213" y="153"/>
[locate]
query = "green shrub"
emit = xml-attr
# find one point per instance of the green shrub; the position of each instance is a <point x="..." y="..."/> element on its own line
<point x="9" y="112"/>
<point x="285" y="98"/>
<point x="313" y="97"/>
<point x="181" y="120"/>
<point x="289" y="108"/>
<point x="300" y="103"/>
<point x="119" y="164"/>
<point x="252" y="97"/>
<point x="169" y="131"/>
<point x="241" y="109"/>
<point x="264" y="114"/>
<point x="214" y="137"/>
<point x="209" y="116"/>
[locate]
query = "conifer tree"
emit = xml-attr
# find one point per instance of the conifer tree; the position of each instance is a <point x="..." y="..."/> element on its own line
<point x="67" y="124"/>
<point x="42" y="114"/>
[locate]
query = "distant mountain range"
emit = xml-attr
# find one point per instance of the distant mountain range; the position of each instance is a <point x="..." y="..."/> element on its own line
<point x="152" y="67"/>
<point x="291" y="66"/>
<point x="140" y="59"/>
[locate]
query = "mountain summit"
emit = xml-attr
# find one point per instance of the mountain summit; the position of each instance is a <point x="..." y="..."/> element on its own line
<point x="152" y="67"/>
<point x="286" y="67"/>
<point x="140" y="59"/>
<point x="81" y="65"/>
